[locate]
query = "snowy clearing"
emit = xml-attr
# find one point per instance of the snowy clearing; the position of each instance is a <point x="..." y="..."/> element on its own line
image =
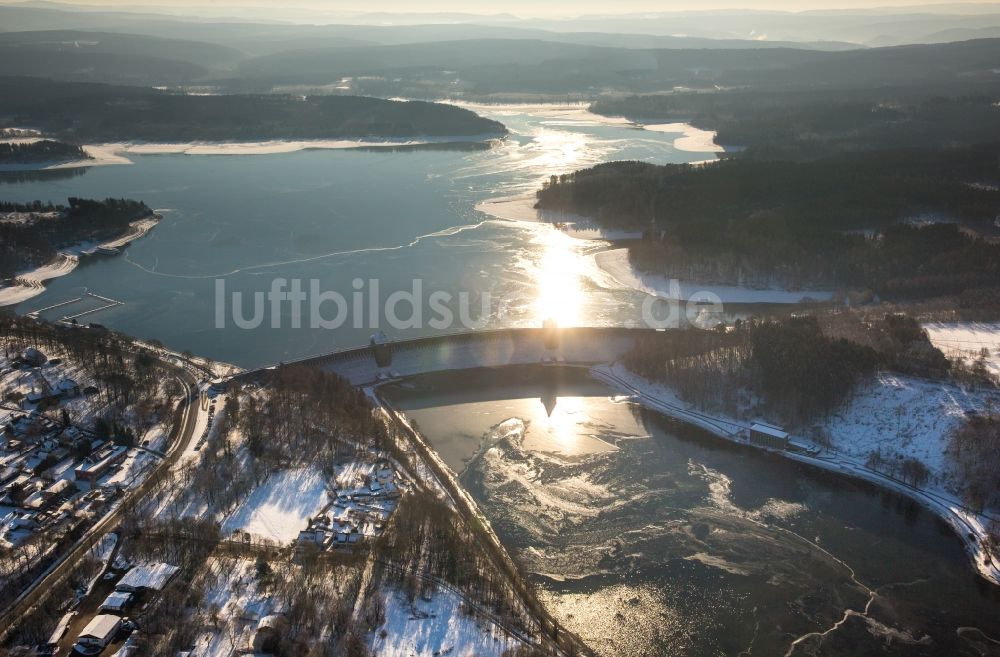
<point x="908" y="417"/>
<point x="967" y="340"/>
<point x="281" y="507"/>
<point x="437" y="627"/>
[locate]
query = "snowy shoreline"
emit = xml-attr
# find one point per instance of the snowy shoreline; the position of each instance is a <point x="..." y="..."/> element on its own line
<point x="971" y="528"/>
<point x="99" y="155"/>
<point x="521" y="207"/>
<point x="31" y="283"/>
<point x="615" y="263"/>
<point x="116" y="152"/>
<point x="692" y="139"/>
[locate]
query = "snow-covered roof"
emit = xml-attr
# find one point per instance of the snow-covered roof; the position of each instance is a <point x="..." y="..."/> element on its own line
<point x="59" y="487"/>
<point x="152" y="576"/>
<point x="768" y="430"/>
<point x="116" y="601"/>
<point x="101" y="627"/>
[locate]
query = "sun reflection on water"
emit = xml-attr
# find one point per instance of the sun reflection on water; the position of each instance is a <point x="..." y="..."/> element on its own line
<point x="559" y="279"/>
<point x="560" y="150"/>
<point x="562" y="420"/>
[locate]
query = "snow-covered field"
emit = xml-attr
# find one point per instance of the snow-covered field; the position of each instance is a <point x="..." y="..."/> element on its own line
<point x="906" y="417"/>
<point x="279" y="509"/>
<point x="616" y="264"/>
<point x="437" y="627"/>
<point x="967" y="340"/>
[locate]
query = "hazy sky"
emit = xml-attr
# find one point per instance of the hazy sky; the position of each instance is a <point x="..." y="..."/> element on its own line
<point x="519" y="7"/>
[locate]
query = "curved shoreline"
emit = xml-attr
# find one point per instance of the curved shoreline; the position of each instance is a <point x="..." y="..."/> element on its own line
<point x="31" y="283"/>
<point x="970" y="528"/>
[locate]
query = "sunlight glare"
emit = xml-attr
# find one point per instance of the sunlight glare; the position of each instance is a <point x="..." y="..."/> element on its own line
<point x="562" y="426"/>
<point x="559" y="279"/>
<point x="559" y="150"/>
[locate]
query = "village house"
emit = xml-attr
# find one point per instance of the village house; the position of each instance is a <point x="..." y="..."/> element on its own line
<point x="55" y="494"/>
<point x="98" y="464"/>
<point x="116" y="602"/>
<point x="98" y="634"/>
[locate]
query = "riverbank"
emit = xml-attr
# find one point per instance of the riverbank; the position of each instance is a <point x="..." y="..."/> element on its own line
<point x="30" y="283"/>
<point x="972" y="528"/>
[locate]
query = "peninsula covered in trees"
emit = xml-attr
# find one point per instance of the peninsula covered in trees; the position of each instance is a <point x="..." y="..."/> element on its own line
<point x="905" y="224"/>
<point x="103" y="113"/>
<point x="32" y="233"/>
